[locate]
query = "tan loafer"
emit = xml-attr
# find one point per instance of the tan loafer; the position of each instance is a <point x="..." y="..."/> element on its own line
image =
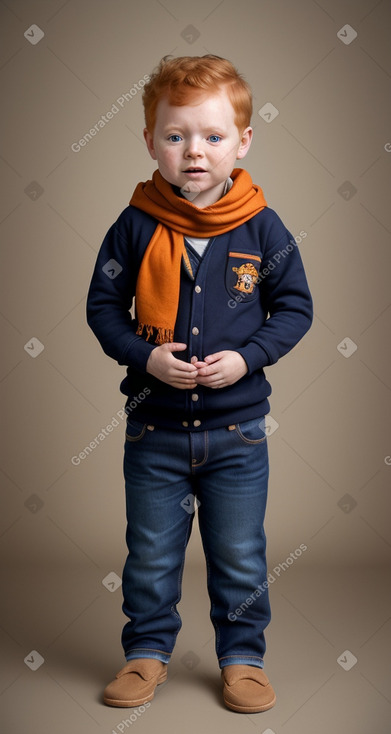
<point x="247" y="689"/>
<point x="135" y="684"/>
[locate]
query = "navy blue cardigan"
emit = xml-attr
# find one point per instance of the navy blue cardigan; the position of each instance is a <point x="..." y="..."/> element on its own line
<point x="225" y="306"/>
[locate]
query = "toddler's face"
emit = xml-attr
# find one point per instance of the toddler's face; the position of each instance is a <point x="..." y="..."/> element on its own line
<point x="200" y="136"/>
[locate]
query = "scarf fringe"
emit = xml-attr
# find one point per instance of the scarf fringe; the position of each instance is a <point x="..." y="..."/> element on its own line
<point x="162" y="335"/>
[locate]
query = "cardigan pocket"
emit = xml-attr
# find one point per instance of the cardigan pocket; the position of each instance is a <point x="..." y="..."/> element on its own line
<point x="242" y="275"/>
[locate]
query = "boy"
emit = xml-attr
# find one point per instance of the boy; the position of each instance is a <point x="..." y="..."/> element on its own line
<point x="220" y="292"/>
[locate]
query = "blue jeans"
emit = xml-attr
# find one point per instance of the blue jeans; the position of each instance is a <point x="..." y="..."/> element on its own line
<point x="226" y="470"/>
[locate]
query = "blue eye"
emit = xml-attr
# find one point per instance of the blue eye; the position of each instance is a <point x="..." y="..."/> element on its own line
<point x="177" y="138"/>
<point x="214" y="138"/>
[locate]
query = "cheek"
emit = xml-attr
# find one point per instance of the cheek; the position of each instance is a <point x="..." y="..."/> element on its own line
<point x="222" y="158"/>
<point x="168" y="156"/>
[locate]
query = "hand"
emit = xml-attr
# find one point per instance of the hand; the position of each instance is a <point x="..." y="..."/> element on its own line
<point x="220" y="369"/>
<point x="167" y="368"/>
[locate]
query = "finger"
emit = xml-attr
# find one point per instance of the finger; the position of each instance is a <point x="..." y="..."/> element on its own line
<point x="180" y="366"/>
<point x="210" y="358"/>
<point x="182" y="376"/>
<point x="198" y="365"/>
<point x="179" y="386"/>
<point x="183" y="380"/>
<point x="195" y="360"/>
<point x="174" y="346"/>
<point x="209" y="380"/>
<point x="208" y="370"/>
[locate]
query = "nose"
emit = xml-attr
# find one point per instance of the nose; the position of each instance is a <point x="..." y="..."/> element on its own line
<point x="194" y="148"/>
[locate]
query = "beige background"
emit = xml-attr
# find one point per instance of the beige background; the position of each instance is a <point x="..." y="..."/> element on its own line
<point x="324" y="164"/>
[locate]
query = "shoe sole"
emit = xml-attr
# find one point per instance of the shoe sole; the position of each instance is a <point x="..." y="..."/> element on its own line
<point x="250" y="709"/>
<point x="134" y="702"/>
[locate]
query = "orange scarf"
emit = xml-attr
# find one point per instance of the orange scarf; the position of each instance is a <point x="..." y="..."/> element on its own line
<point x="158" y="282"/>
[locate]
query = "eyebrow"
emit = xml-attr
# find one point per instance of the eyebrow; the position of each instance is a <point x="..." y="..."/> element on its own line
<point x="178" y="128"/>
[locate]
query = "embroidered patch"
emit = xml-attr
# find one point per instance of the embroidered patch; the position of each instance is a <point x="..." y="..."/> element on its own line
<point x="247" y="276"/>
<point x="242" y="275"/>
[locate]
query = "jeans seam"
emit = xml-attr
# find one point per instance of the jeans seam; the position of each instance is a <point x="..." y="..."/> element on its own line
<point x="212" y="604"/>
<point x="248" y="440"/>
<point x="179" y="580"/>
<point x="134" y="439"/>
<point x="246" y="657"/>
<point x="150" y="649"/>
<point x="206" y="452"/>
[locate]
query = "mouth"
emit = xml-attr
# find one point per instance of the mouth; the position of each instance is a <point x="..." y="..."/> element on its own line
<point x="194" y="169"/>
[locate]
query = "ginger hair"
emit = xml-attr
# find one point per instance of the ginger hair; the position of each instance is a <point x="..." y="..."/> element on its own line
<point x="185" y="78"/>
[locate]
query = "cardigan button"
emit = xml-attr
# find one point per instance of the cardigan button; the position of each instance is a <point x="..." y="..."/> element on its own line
<point x="194" y="397"/>
<point x="195" y="331"/>
<point x="198" y="289"/>
<point x="196" y="423"/>
<point x="185" y="424"/>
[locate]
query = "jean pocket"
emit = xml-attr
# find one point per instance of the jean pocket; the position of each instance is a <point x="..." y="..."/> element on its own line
<point x="251" y="432"/>
<point x="134" y="430"/>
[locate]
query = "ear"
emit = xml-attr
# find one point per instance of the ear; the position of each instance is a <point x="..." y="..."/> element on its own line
<point x="245" y="142"/>
<point x="149" y="141"/>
